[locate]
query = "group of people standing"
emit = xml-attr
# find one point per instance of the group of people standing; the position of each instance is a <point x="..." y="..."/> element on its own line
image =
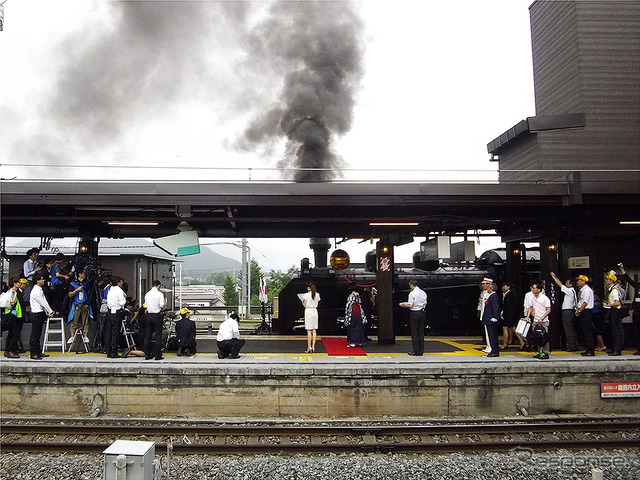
<point x="45" y="289"/>
<point x="33" y="296"/>
<point x="578" y="309"/>
<point x="15" y="311"/>
<point x="39" y="291"/>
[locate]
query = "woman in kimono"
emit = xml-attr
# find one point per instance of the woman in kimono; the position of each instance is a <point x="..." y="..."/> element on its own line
<point x="354" y="319"/>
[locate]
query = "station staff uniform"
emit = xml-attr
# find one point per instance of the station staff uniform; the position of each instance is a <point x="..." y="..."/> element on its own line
<point x="613" y="315"/>
<point x="585" y="306"/>
<point x="490" y="320"/>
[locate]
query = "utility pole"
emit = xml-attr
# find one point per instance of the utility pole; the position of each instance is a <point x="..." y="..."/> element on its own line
<point x="245" y="279"/>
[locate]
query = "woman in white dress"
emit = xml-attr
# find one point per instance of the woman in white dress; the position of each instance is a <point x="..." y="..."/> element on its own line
<point x="310" y="301"/>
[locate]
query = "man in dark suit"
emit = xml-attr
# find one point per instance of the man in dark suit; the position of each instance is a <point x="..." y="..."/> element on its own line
<point x="490" y="318"/>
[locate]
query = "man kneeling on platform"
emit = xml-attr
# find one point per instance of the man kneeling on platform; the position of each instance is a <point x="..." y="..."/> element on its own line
<point x="229" y="340"/>
<point x="186" y="334"/>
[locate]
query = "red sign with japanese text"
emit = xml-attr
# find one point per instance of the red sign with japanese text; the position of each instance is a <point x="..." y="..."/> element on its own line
<point x="619" y="389"/>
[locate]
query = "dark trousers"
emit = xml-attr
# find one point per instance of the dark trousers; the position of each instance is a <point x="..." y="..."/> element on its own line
<point x="587" y="330"/>
<point x="417" y="322"/>
<point x="187" y="351"/>
<point x="37" y="323"/>
<point x="113" y="328"/>
<point x="635" y="317"/>
<point x="568" y="317"/>
<point x="13" y="335"/>
<point x="492" y="340"/>
<point x="617" y="331"/>
<point x="230" y="348"/>
<point x="154" y="326"/>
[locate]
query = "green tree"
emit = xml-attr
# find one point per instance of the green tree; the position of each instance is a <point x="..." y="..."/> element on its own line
<point x="255" y="273"/>
<point x="254" y="289"/>
<point x="230" y="294"/>
<point x="277" y="281"/>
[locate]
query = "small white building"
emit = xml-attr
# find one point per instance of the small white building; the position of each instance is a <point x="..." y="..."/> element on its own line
<point x="200" y="296"/>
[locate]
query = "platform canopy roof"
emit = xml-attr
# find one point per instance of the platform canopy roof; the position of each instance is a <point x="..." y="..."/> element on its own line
<point x="298" y="210"/>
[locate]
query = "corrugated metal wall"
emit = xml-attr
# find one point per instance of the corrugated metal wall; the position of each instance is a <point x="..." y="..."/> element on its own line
<point x="586" y="58"/>
<point x="554" y="39"/>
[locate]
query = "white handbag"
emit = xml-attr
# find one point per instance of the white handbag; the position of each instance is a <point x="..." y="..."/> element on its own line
<point x="523" y="327"/>
<point x="5" y="299"/>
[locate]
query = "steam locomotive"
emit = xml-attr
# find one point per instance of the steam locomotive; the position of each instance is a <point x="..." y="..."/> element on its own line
<point x="452" y="291"/>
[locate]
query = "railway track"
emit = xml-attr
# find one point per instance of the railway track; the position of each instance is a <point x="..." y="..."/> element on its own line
<point x="185" y="438"/>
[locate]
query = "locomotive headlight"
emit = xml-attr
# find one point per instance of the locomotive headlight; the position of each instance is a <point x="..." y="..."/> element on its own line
<point x="339" y="259"/>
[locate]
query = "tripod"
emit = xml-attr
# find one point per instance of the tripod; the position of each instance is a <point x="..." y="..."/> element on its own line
<point x="264" y="328"/>
<point x="72" y="341"/>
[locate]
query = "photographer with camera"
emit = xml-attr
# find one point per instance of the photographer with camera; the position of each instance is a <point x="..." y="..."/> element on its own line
<point x="80" y="308"/>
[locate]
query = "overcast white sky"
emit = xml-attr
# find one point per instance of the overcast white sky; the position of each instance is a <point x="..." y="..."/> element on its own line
<point x="113" y="88"/>
<point x="88" y="82"/>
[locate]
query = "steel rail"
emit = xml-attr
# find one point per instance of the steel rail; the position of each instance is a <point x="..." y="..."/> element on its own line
<point x="224" y="439"/>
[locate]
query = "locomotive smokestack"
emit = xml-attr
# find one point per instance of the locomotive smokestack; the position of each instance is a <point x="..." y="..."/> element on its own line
<point x="320" y="247"/>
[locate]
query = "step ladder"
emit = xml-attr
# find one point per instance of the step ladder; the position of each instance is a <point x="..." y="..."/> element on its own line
<point x="55" y="328"/>
<point x="128" y="336"/>
<point x="72" y="341"/>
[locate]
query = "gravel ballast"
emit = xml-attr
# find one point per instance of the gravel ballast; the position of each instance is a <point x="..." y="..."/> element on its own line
<point x="520" y="464"/>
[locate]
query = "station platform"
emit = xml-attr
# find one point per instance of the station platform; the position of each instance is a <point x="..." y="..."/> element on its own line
<point x="274" y="379"/>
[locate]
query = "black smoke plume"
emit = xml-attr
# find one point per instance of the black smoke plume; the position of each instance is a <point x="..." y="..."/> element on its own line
<point x="316" y="48"/>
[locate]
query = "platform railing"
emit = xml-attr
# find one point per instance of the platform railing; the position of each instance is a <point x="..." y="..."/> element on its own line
<point x="209" y="318"/>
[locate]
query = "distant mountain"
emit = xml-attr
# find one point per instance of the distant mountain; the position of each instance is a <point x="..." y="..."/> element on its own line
<point x="208" y="262"/>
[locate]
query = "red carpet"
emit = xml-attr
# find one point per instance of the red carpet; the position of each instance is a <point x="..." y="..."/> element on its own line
<point x="338" y="346"/>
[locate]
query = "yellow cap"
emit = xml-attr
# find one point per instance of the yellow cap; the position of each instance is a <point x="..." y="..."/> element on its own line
<point x="583" y="278"/>
<point x="184" y="311"/>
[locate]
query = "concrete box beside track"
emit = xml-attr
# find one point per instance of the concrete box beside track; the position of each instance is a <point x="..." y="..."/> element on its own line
<point x="138" y="460"/>
<point x="255" y="391"/>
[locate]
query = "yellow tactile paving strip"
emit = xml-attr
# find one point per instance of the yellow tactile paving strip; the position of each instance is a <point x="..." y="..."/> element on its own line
<point x="466" y="347"/>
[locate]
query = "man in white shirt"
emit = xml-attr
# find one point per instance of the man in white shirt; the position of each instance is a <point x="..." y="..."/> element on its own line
<point x="540" y="308"/>
<point x="40" y="310"/>
<point x="30" y="266"/>
<point x="116" y="300"/>
<point x="583" y="312"/>
<point x="417" y="302"/>
<point x="229" y="340"/>
<point x="612" y="306"/>
<point x="569" y="304"/>
<point x="155" y="302"/>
